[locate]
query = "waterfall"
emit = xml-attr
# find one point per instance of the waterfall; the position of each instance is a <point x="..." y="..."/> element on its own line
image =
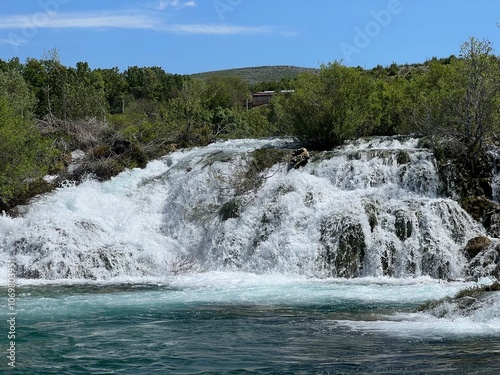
<point x="370" y="208"/>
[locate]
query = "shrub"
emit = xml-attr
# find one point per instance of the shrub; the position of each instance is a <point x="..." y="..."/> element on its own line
<point x="25" y="156"/>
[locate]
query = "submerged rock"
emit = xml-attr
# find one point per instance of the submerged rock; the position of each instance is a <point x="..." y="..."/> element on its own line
<point x="464" y="303"/>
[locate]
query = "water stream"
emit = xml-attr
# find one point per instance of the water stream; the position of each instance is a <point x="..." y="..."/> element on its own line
<point x="207" y="261"/>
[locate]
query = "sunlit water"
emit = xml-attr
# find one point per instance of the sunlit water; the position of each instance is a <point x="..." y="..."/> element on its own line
<point x="237" y="323"/>
<point x="141" y="275"/>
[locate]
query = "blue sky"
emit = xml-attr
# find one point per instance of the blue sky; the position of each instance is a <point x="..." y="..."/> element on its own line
<point x="191" y="36"/>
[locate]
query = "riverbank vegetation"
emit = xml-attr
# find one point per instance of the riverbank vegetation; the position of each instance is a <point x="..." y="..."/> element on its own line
<point x="121" y="119"/>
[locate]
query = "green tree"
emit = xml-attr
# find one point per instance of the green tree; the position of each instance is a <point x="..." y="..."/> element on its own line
<point x="84" y="93"/>
<point x="15" y="90"/>
<point x="116" y="89"/>
<point x="36" y="77"/>
<point x="152" y="83"/>
<point x="430" y="97"/>
<point x="25" y="157"/>
<point x="391" y="105"/>
<point x="226" y="92"/>
<point x="257" y="124"/>
<point x="188" y="114"/>
<point x="479" y="92"/>
<point x="327" y="109"/>
<point x="458" y="99"/>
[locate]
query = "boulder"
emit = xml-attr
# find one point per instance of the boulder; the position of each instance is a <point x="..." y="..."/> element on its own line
<point x="475" y="246"/>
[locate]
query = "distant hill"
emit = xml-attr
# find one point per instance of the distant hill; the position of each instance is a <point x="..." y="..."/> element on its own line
<point x="259" y="74"/>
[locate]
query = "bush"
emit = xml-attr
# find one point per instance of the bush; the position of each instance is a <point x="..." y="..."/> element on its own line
<point x="327" y="109"/>
<point x="25" y="156"/>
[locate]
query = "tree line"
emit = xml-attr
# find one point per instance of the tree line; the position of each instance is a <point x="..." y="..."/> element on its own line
<point x="122" y="119"/>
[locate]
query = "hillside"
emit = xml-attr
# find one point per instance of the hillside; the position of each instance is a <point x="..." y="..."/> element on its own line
<point x="259" y="74"/>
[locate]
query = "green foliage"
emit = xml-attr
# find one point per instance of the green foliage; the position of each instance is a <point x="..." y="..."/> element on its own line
<point x="257" y="124"/>
<point x="428" y="101"/>
<point x="479" y="92"/>
<point x="226" y="92"/>
<point x="459" y="98"/>
<point x="329" y="108"/>
<point x="16" y="91"/>
<point x="152" y="112"/>
<point x="189" y="115"/>
<point x="152" y="83"/>
<point x="24" y="155"/>
<point x="389" y="105"/>
<point x="227" y="122"/>
<point x="115" y="88"/>
<point x="256" y="75"/>
<point x="256" y="166"/>
<point x="276" y="85"/>
<point x="85" y="97"/>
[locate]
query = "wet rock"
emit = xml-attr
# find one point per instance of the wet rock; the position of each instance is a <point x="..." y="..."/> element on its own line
<point x="371" y="212"/>
<point x="495" y="287"/>
<point x="403" y="225"/>
<point x="491" y="221"/>
<point x="230" y="210"/>
<point x="403" y="157"/>
<point x="475" y="246"/>
<point x="464" y="303"/>
<point x="486" y="263"/>
<point x="485" y="211"/>
<point x="344" y="247"/>
<point x="388" y="259"/>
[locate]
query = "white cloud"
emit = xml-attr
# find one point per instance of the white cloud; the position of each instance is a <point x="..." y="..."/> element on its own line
<point x="79" y="20"/>
<point x="215" y="29"/>
<point x="26" y="24"/>
<point x="11" y="42"/>
<point x="177" y="4"/>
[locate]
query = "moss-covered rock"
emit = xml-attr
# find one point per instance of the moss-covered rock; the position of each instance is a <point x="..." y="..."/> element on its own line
<point x="265" y="158"/>
<point x="485" y="211"/>
<point x="230" y="210"/>
<point x="463" y="172"/>
<point x="257" y="163"/>
<point x="218" y="156"/>
<point x="403" y="157"/>
<point x="403" y="225"/>
<point x="344" y="246"/>
<point x="463" y="303"/>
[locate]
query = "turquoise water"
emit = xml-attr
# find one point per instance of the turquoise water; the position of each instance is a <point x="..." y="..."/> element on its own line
<point x="245" y="324"/>
<point x="143" y="274"/>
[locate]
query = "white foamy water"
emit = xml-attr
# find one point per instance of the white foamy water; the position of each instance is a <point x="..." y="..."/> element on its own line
<point x="291" y="266"/>
<point x="482" y="321"/>
<point x="368" y="209"/>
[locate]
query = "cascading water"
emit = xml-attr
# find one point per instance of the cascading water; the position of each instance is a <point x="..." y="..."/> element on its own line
<point x="226" y="259"/>
<point x="369" y="208"/>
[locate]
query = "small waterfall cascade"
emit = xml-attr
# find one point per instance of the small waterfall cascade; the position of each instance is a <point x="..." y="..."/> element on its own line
<point x="369" y="208"/>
